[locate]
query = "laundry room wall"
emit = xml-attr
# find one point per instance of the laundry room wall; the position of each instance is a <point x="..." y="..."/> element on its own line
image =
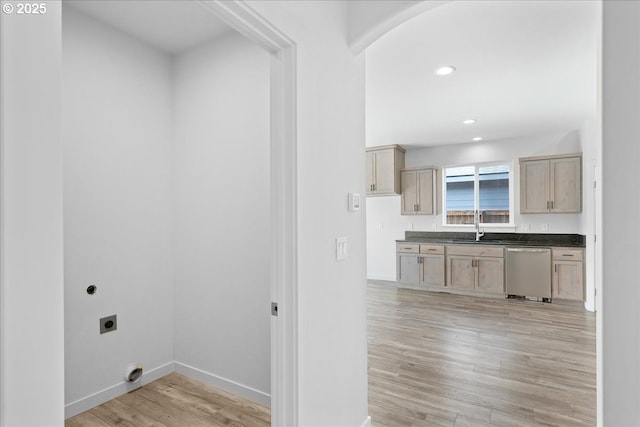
<point x="223" y="221"/>
<point x="118" y="170"/>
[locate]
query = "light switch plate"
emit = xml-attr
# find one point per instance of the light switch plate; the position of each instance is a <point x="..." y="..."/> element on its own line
<point x="354" y="202"/>
<point x="342" y="250"/>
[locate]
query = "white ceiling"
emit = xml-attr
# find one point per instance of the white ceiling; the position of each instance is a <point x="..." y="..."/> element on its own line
<point x="523" y="68"/>
<point x="169" y="25"/>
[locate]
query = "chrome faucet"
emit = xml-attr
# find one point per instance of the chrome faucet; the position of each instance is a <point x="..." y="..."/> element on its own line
<point x="476" y="223"/>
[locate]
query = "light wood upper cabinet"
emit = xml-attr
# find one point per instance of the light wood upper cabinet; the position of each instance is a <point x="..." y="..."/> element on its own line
<point x="566" y="185"/>
<point x="551" y="184"/>
<point x="383" y="170"/>
<point x="418" y="192"/>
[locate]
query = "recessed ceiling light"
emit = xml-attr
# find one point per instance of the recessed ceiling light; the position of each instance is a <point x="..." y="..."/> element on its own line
<point x="469" y="122"/>
<point x="445" y="71"/>
<point x="477" y="138"/>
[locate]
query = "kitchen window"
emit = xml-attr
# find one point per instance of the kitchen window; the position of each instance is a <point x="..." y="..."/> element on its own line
<point x="485" y="189"/>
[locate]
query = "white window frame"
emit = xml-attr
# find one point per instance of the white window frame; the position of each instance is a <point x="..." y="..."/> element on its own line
<point x="476" y="193"/>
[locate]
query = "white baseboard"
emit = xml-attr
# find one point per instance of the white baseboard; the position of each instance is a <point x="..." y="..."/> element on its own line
<point x="366" y="422"/>
<point x="383" y="278"/>
<point x="224" y="384"/>
<point x="100" y="397"/>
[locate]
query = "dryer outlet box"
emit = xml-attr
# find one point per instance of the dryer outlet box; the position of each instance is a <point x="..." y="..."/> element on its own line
<point x="108" y="324"/>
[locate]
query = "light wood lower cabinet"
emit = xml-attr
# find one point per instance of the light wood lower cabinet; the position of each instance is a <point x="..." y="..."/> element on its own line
<point x="408" y="269"/>
<point x="432" y="270"/>
<point x="425" y="268"/>
<point x="484" y="274"/>
<point x="480" y="268"/>
<point x="461" y="272"/>
<point x="490" y="273"/>
<point x="568" y="274"/>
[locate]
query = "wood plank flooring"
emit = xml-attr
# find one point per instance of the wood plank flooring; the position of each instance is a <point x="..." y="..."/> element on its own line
<point x="450" y="360"/>
<point x="174" y="401"/>
<point x="434" y="360"/>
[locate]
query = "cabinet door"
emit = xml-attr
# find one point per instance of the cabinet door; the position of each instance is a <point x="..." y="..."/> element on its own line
<point x="432" y="270"/>
<point x="408" y="269"/>
<point x="384" y="171"/>
<point x="425" y="191"/>
<point x="567" y="280"/>
<point x="534" y="186"/>
<point x="409" y="192"/>
<point x="565" y="185"/>
<point x="370" y="171"/>
<point x="490" y="275"/>
<point x="461" y="273"/>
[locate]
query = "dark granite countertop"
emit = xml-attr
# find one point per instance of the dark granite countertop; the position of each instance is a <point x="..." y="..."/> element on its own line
<point x="502" y="239"/>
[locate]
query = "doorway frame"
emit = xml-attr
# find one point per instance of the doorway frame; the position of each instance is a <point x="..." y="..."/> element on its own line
<point x="283" y="162"/>
<point x="399" y="16"/>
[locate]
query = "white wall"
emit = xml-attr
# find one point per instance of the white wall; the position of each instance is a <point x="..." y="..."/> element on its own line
<point x="332" y="295"/>
<point x="31" y="286"/>
<point x="385" y="225"/>
<point x="222" y="290"/>
<point x="621" y="205"/>
<point x="117" y="132"/>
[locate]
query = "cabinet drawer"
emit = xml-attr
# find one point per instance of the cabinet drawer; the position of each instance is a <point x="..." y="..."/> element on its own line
<point x="432" y="249"/>
<point x="565" y="254"/>
<point x="469" y="250"/>
<point x="413" y="248"/>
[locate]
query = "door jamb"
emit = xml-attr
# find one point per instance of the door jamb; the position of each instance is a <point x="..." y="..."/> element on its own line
<point x="284" y="274"/>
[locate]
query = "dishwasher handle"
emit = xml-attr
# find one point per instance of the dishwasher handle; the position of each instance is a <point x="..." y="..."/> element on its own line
<point x="527" y="250"/>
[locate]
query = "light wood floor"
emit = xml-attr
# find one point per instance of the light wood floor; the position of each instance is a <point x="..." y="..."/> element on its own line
<point x="174" y="401"/>
<point x="449" y="360"/>
<point x="434" y="360"/>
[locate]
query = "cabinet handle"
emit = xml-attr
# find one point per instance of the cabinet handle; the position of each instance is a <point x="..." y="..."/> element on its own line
<point x="374" y="187"/>
<point x="552" y="204"/>
<point x="432" y="249"/>
<point x="567" y="255"/>
<point x="418" y="207"/>
<point x="548" y="205"/>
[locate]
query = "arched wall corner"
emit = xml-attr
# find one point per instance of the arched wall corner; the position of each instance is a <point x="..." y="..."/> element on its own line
<point x="370" y="20"/>
<point x="284" y="262"/>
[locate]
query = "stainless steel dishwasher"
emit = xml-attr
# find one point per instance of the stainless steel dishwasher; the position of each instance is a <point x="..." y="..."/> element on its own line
<point x="529" y="273"/>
